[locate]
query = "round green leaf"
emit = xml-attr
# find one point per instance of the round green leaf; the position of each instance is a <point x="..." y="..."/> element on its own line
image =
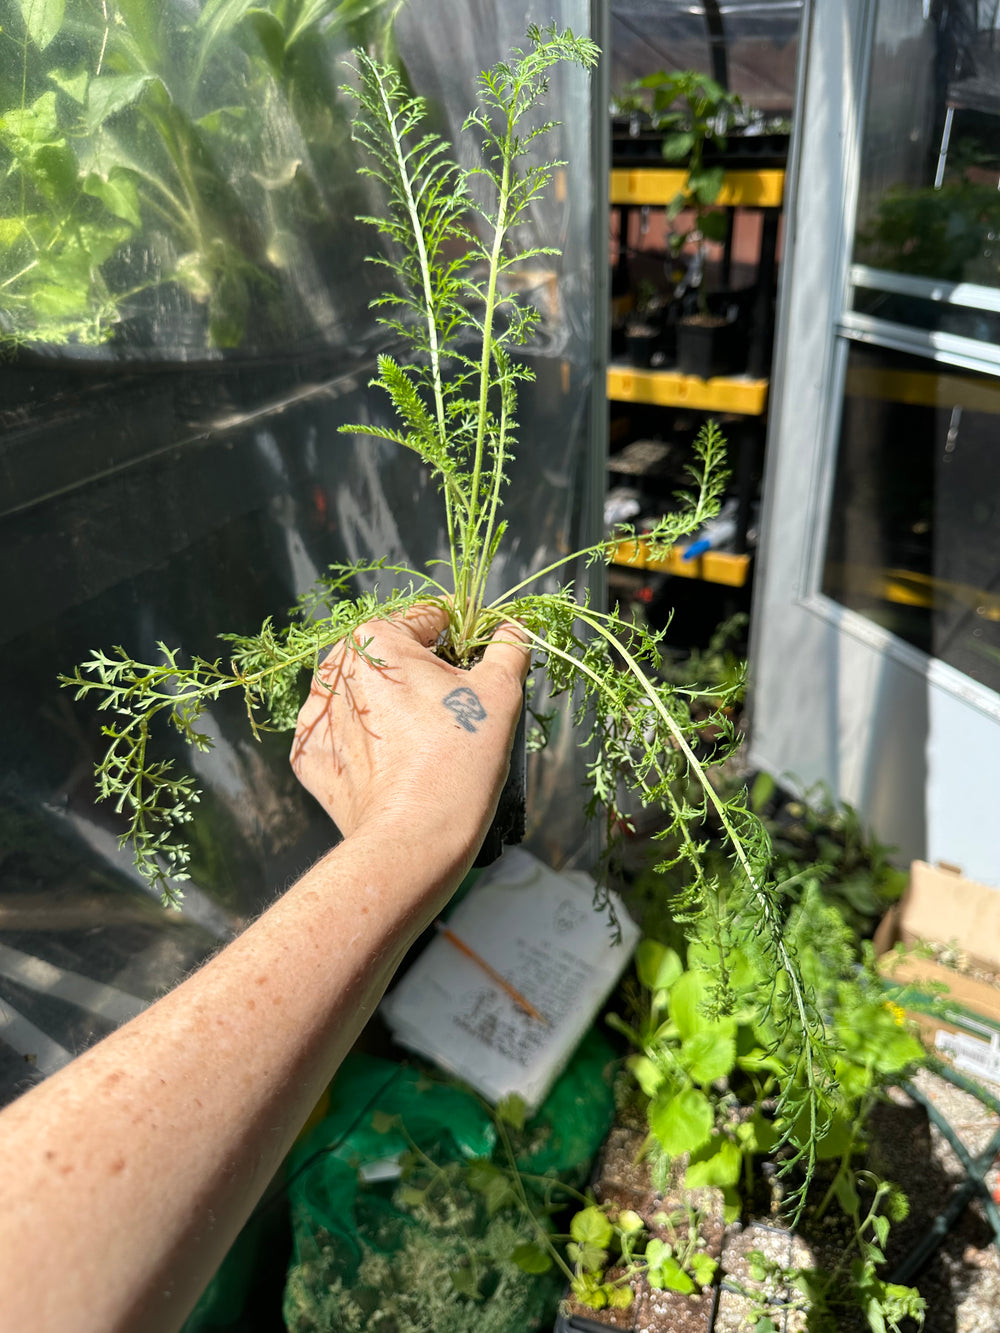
<point x="703" y="1268"/>
<point x="56" y="302"/>
<point x="587" y="1258"/>
<point x="847" y="1194"/>
<point x="619" y="1298"/>
<point x="718" y="1163"/>
<point x="73" y="84"/>
<point x="682" y="1123"/>
<point x="43" y="19"/>
<point x="512" y="1110"/>
<point x="648" y="1075"/>
<point x="757" y="1134"/>
<point x="657" y="966"/>
<point x="671" y="1276"/>
<point x="676" y="146"/>
<point x="706" y="184"/>
<point x="110" y="93"/>
<point x="118" y="193"/>
<point x="713" y="226"/>
<point x="837" y="1139"/>
<point x="464" y="1282"/>
<point x="532" y="1258"/>
<point x="657" y="1253"/>
<point x="687" y="1002"/>
<point x="590" y="1226"/>
<point x="757" y="1058"/>
<point x="589" y="1290"/>
<point x="492" y="1183"/>
<point x="709" y="1055"/>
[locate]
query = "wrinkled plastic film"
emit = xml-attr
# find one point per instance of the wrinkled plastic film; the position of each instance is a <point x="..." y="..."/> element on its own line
<point x="167" y="490"/>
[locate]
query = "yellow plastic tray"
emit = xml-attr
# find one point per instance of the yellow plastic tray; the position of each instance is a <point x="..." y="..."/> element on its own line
<point x="658" y="186"/>
<point x="669" y="388"/>
<point x="712" y="567"/>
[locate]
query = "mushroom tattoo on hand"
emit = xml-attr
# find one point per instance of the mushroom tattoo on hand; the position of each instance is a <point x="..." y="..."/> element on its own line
<point x="464" y="704"/>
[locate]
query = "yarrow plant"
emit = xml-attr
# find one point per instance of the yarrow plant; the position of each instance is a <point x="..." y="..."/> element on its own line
<point x="452" y="235"/>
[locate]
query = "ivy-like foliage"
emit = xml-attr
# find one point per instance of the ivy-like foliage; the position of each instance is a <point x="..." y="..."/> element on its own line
<point x="451" y="235"/>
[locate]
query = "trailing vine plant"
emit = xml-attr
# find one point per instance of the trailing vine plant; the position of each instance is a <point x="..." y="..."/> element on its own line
<point x="452" y="236"/>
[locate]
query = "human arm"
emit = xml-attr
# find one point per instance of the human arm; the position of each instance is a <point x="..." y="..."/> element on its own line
<point x="125" y="1176"/>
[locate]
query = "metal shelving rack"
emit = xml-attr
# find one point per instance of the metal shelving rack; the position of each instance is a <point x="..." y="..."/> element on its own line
<point x="741" y="396"/>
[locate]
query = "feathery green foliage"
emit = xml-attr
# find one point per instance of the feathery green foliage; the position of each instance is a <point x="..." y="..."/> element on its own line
<point x="452" y="233"/>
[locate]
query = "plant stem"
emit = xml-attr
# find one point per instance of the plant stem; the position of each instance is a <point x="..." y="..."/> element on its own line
<point x="497" y="481"/>
<point x="473" y="593"/>
<point x="27" y="269"/>
<point x="860" y="1119"/>
<point x="428" y="298"/>
<point x="438" y="1175"/>
<point x="518" y="1187"/>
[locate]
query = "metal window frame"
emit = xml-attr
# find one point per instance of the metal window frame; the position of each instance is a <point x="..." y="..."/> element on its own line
<point x="946" y="348"/>
<point x="972" y="294"/>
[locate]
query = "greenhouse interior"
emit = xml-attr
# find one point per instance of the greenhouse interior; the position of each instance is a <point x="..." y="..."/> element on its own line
<point x="516" y="855"/>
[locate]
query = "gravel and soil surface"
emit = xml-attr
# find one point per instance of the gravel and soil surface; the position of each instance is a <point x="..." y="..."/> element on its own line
<point x="960" y="1281"/>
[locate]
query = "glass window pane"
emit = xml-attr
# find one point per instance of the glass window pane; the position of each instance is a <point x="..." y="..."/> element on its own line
<point x="912" y="543"/>
<point x="931" y="312"/>
<point x="757" y="40"/>
<point x="928" y="203"/>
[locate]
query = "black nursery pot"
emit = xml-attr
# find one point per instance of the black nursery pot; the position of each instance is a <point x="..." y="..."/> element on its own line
<point x="710" y="345"/>
<point x="700" y="348"/>
<point x="716" y="341"/>
<point x="509" y="821"/>
<point x="641" y="342"/>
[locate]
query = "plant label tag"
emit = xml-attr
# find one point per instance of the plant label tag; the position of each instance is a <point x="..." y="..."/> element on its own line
<point x="973" y="1055"/>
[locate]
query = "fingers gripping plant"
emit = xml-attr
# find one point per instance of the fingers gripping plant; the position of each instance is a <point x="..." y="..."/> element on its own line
<point x="453" y="234"/>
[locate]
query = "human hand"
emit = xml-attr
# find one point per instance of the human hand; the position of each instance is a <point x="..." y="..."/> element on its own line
<point x="412" y="739"/>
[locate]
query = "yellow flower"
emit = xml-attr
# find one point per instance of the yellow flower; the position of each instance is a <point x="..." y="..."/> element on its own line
<point x="898" y="1013"/>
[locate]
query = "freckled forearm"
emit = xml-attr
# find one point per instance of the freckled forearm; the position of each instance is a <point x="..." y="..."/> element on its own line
<point x="158" y="1141"/>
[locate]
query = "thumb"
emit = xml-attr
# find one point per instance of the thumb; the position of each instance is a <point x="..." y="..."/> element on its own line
<point x="509" y="650"/>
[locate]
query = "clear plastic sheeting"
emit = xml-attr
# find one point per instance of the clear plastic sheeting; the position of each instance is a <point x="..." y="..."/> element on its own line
<point x="172" y="483"/>
<point x="750" y="46"/>
<point x="179" y="178"/>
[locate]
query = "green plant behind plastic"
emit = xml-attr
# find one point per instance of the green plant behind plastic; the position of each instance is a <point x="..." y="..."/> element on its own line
<point x="818" y="840"/>
<point x="155" y="157"/>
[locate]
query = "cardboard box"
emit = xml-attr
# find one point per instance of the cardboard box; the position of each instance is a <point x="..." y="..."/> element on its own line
<point x="941" y="906"/>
